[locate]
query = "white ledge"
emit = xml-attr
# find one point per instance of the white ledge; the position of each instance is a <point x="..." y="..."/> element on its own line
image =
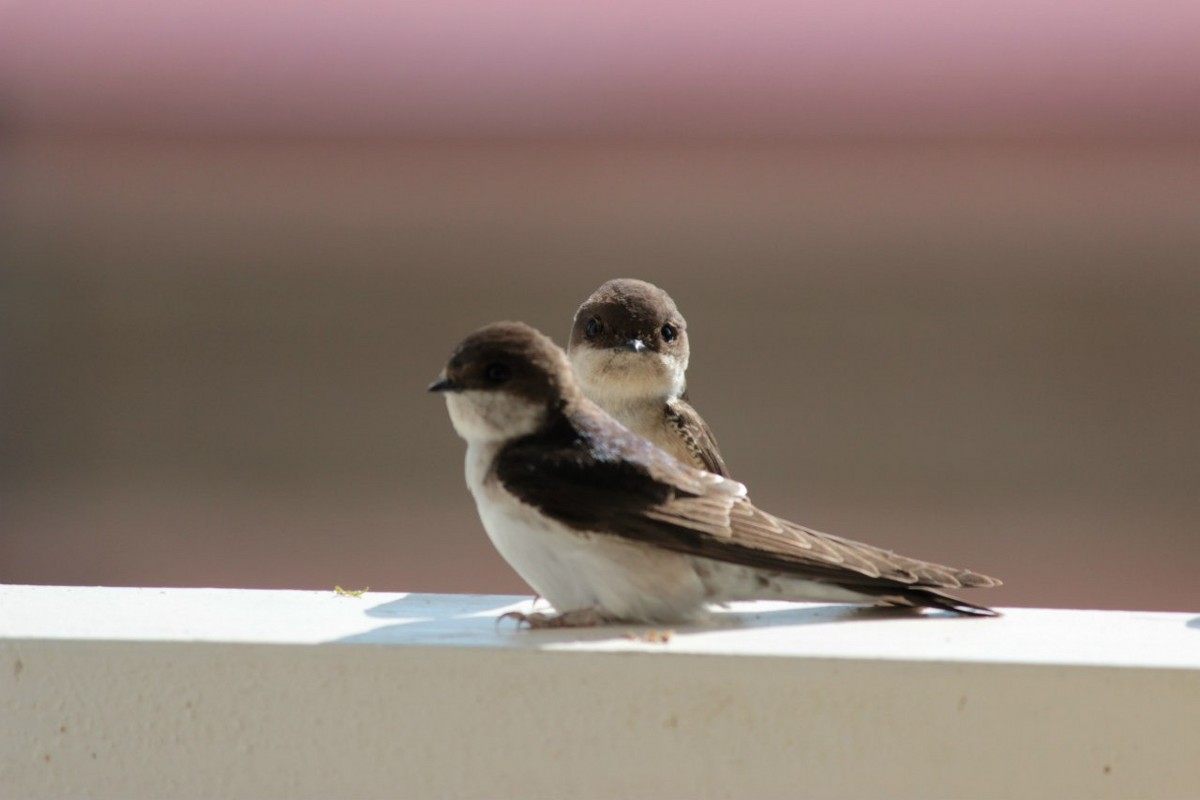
<point x="212" y="692"/>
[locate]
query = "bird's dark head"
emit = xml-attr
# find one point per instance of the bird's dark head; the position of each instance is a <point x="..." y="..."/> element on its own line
<point x="504" y="381"/>
<point x="629" y="342"/>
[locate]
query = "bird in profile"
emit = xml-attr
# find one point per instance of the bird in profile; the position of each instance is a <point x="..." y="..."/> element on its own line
<point x="608" y="527"/>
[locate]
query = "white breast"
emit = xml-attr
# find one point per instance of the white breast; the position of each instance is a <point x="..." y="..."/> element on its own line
<point x="576" y="570"/>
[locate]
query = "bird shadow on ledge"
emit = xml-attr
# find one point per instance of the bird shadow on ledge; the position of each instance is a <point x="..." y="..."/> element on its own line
<point x="1194" y="624"/>
<point x="430" y="619"/>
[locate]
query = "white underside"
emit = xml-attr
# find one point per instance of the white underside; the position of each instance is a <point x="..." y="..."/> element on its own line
<point x="574" y="570"/>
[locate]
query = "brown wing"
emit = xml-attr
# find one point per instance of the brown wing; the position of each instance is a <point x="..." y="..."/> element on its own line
<point x="755" y="538"/>
<point x="595" y="475"/>
<point x="697" y="436"/>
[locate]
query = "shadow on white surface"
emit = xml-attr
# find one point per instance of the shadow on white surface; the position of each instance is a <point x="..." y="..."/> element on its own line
<point x="430" y="619"/>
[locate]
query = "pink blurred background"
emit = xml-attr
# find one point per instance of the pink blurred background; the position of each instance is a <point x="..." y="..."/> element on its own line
<point x="941" y="263"/>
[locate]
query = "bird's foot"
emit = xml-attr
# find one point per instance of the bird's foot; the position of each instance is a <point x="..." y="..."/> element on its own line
<point x="578" y="618"/>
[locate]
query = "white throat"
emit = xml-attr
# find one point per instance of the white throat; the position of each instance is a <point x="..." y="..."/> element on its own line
<point x="616" y="380"/>
<point x="494" y="416"/>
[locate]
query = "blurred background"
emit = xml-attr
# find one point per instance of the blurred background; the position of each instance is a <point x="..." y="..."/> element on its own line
<point x="940" y="263"/>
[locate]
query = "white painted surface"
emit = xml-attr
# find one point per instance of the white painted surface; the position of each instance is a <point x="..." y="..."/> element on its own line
<point x="223" y="693"/>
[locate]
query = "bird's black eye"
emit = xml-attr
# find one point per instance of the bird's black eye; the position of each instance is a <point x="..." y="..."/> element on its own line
<point x="497" y="373"/>
<point x="668" y="332"/>
<point x="592" y="328"/>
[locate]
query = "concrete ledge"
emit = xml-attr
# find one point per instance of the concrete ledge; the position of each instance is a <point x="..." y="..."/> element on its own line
<point x="226" y="693"/>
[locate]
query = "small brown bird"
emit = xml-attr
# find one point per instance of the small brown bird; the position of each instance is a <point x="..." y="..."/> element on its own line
<point x="629" y="347"/>
<point x="608" y="527"/>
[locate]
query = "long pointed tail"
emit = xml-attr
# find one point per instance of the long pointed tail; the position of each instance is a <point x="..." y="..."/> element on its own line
<point x="932" y="598"/>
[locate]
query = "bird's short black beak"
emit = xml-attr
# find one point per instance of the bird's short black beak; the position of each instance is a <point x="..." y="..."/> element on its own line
<point x="633" y="345"/>
<point x="442" y="384"/>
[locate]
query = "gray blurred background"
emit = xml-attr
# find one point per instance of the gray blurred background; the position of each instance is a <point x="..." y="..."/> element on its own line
<point x="942" y="281"/>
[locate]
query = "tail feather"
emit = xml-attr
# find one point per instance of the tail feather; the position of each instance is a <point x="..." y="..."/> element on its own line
<point x="931" y="598"/>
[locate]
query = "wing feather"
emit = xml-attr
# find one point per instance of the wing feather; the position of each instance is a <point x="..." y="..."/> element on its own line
<point x="697" y="437"/>
<point x="597" y="476"/>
